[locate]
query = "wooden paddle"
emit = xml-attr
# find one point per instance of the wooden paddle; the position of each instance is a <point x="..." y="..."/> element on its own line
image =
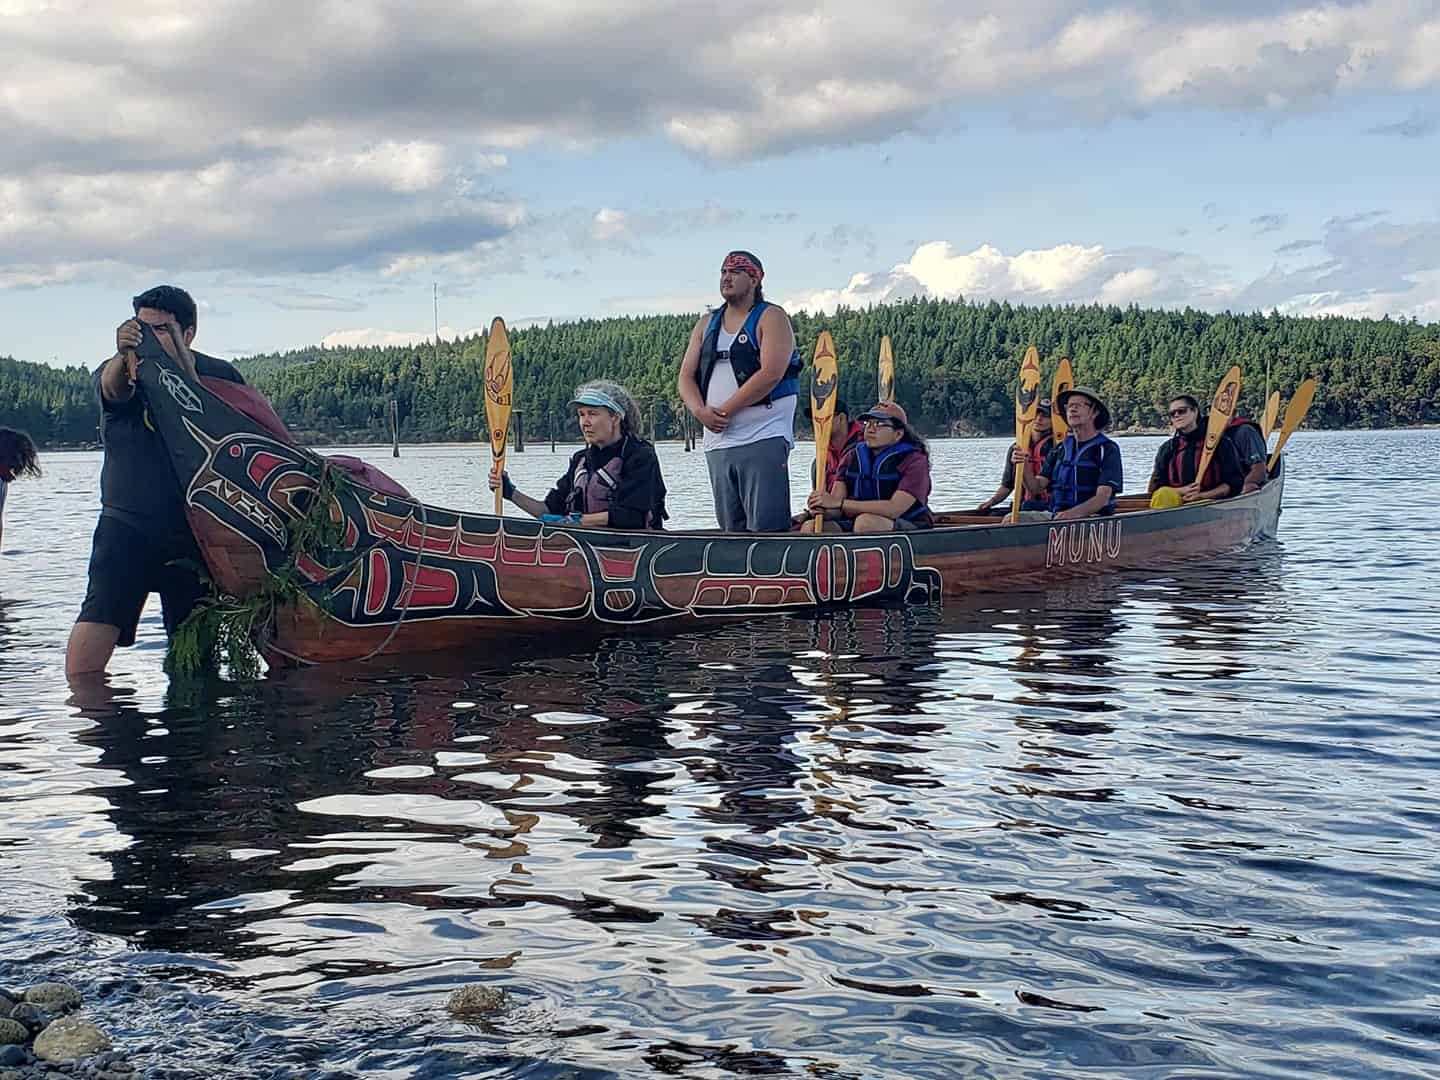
<point x="1222" y="408"/>
<point x="1272" y="413"/>
<point x="823" y="383"/>
<point x="499" y="395"/>
<point x="887" y="371"/>
<point x="1027" y="400"/>
<point x="1064" y="380"/>
<point x="1294" y="413"/>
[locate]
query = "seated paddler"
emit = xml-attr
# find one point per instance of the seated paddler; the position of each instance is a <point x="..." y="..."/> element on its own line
<point x="1179" y="456"/>
<point x="883" y="481"/>
<point x="1082" y="475"/>
<point x="1041" y="443"/>
<point x="613" y="481"/>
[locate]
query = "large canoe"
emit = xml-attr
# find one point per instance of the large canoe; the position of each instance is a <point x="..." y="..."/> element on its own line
<point x="408" y="577"/>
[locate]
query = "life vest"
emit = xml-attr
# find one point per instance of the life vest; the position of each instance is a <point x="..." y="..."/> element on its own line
<point x="590" y="492"/>
<point x="744" y="356"/>
<point x="877" y="476"/>
<point x="1039" y="451"/>
<point x="1076" y="477"/>
<point x="1185" y="459"/>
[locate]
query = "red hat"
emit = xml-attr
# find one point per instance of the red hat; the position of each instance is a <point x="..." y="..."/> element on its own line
<point x="885" y="410"/>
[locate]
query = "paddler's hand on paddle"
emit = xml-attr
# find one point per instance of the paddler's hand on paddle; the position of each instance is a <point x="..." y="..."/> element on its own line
<point x="821" y="501"/>
<point x="716" y="420"/>
<point x="500" y="482"/>
<point x="1189" y="493"/>
<point x="117" y="379"/>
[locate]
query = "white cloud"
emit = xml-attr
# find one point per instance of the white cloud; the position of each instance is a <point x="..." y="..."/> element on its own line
<point x="1129" y="286"/>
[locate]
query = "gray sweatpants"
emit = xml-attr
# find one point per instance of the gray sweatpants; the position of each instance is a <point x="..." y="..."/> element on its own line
<point x="751" y="485"/>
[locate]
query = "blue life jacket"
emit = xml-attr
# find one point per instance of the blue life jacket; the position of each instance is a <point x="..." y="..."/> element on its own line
<point x="1076" y="476"/>
<point x="744" y="356"/>
<point x="877" y="476"/>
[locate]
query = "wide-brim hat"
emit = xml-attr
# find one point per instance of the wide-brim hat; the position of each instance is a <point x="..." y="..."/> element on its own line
<point x="1102" y="415"/>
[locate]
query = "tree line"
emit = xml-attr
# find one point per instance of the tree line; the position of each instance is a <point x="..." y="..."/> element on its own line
<point x="955" y="368"/>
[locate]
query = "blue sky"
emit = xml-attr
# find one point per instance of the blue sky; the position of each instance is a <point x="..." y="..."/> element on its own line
<point x="310" y="172"/>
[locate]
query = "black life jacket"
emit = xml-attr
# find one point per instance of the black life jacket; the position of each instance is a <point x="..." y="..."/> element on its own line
<point x="744" y="356"/>
<point x="590" y="492"/>
<point x="1076" y="476"/>
<point x="877" y="476"/>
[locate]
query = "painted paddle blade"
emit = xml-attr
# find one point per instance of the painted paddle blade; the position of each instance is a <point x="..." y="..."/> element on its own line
<point x="1027" y="400"/>
<point x="499" y="395"/>
<point x="1222" y="408"/>
<point x="1064" y="380"/>
<point x="824" y="381"/>
<point x="1272" y="413"/>
<point x="1294" y="413"/>
<point x="887" y="371"/>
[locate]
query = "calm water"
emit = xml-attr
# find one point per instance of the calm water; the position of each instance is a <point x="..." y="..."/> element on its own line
<point x="1179" y="826"/>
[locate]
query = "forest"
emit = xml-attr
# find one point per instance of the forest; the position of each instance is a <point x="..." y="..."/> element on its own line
<point x="955" y="366"/>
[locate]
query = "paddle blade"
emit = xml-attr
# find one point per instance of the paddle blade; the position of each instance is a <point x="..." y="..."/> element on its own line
<point x="1272" y="413"/>
<point x="1064" y="380"/>
<point x="1222" y="409"/>
<point x="887" y="371"/>
<point x="824" y="382"/>
<point x="1294" y="413"/>
<point x="1027" y="400"/>
<point x="499" y="394"/>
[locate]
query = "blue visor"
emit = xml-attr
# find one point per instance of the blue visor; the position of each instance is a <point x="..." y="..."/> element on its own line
<point x="598" y="398"/>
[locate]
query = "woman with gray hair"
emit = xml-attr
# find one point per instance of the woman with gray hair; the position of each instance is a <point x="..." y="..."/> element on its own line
<point x="613" y="481"/>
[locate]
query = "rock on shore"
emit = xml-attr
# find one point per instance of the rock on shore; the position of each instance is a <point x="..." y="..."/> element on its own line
<point x="42" y="1036"/>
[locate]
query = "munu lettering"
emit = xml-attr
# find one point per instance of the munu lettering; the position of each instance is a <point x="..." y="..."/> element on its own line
<point x="1083" y="542"/>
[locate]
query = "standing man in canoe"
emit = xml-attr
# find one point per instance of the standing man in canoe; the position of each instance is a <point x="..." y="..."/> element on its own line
<point x="1082" y="475"/>
<point x="1179" y="457"/>
<point x="739" y="379"/>
<point x="613" y="481"/>
<point x="1042" y="441"/>
<point x="143" y="543"/>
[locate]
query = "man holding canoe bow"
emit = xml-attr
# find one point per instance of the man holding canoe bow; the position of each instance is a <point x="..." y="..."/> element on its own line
<point x="1081" y="476"/>
<point x="613" y="482"/>
<point x="739" y="379"/>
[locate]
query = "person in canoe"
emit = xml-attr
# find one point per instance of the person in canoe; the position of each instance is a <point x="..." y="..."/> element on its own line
<point x="1081" y="476"/>
<point x="844" y="434"/>
<point x="739" y="378"/>
<point x="884" y="480"/>
<point x="1179" y="457"/>
<point x="143" y="543"/>
<point x="1249" y="442"/>
<point x="1041" y="443"/>
<point x="613" y="481"/>
<point x="17" y="459"/>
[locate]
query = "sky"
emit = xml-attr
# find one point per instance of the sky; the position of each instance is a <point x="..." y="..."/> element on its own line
<point x="313" y="172"/>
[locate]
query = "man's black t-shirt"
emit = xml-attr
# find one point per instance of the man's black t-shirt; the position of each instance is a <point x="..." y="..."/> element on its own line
<point x="137" y="482"/>
<point x="640" y="492"/>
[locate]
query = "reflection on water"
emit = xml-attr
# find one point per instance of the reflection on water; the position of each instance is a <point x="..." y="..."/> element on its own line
<point x="1174" y="826"/>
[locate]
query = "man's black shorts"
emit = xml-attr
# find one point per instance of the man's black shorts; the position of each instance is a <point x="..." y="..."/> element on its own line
<point x="126" y="566"/>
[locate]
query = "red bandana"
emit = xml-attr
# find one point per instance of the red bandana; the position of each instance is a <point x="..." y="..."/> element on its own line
<point x="744" y="265"/>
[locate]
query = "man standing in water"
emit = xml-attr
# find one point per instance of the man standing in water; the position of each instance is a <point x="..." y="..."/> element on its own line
<point x="739" y="379"/>
<point x="143" y="542"/>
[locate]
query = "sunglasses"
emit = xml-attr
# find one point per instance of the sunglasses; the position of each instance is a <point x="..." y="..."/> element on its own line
<point x="882" y="423"/>
<point x="1175" y="414"/>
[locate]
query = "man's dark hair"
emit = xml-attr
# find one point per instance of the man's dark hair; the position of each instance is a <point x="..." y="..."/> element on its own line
<point x="17" y="453"/>
<point x="170" y="299"/>
<point x="1188" y="400"/>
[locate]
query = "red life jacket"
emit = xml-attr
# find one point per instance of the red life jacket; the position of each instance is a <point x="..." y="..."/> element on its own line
<point x="1039" y="451"/>
<point x="833" y="456"/>
<point x="1186" y="459"/>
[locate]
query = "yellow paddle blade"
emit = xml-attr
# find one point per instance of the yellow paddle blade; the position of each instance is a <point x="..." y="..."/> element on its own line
<point x="887" y="371"/>
<point x="1272" y="413"/>
<point x="1027" y="400"/>
<point x="499" y="394"/>
<point x="824" y="381"/>
<point x="1294" y="413"/>
<point x="1064" y="380"/>
<point x="1222" y="408"/>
